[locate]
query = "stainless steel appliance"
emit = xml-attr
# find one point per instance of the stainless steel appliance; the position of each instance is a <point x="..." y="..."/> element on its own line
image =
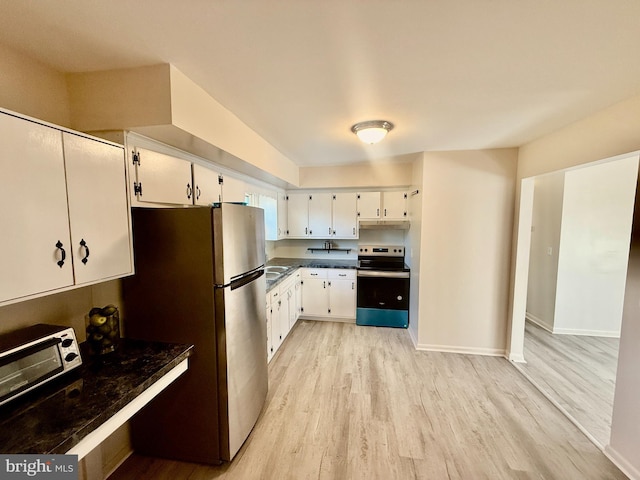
<point x="383" y="287"/>
<point x="200" y="279"/>
<point x="32" y="356"/>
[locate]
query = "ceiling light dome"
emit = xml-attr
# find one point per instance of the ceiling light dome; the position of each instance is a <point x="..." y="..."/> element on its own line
<point x="372" y="131"/>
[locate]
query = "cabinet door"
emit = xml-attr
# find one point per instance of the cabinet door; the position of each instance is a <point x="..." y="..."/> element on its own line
<point x="269" y="325"/>
<point x="282" y="215"/>
<point x="297" y="296"/>
<point x="163" y="179"/>
<point x="345" y="215"/>
<point x="394" y="205"/>
<point x="315" y="296"/>
<point x="320" y="215"/>
<point x="276" y="324"/>
<point x="369" y="205"/>
<point x="233" y="190"/>
<point x="298" y="214"/>
<point x="33" y="208"/>
<point x="98" y="209"/>
<point x="291" y="302"/>
<point x="206" y="186"/>
<point x="342" y="298"/>
<point x="284" y="315"/>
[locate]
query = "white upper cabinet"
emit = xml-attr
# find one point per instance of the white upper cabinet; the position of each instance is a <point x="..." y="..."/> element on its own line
<point x="161" y="178"/>
<point x="298" y="215"/>
<point x="320" y="215"/>
<point x="233" y="190"/>
<point x="98" y="209"/>
<point x="206" y="184"/>
<point x="282" y="215"/>
<point x="369" y="205"/>
<point x="382" y="205"/>
<point x="36" y="245"/>
<point x="63" y="200"/>
<point x="394" y="205"/>
<point x="345" y="214"/>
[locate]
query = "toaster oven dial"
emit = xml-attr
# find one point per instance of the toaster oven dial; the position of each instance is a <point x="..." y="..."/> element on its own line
<point x="66" y="343"/>
<point x="70" y="356"/>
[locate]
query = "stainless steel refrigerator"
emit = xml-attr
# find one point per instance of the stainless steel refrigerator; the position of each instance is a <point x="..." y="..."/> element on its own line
<point x="199" y="279"/>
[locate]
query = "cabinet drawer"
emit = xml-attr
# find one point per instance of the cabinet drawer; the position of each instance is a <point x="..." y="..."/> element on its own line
<point x="342" y="274"/>
<point x="315" y="273"/>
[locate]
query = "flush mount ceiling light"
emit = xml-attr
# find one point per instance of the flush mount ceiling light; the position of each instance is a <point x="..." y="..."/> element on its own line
<point x="372" y="131"/>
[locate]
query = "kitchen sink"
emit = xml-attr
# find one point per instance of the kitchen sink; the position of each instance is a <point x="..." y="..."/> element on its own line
<point x="272" y="275"/>
<point x="275" y="269"/>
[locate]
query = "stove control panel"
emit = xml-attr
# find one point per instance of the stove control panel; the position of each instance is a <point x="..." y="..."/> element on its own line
<point x="381" y="250"/>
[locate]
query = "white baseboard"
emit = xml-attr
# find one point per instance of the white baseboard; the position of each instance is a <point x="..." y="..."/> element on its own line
<point x="539" y="322"/>
<point x="622" y="463"/>
<point x="570" y="331"/>
<point x="328" y="319"/>
<point x="414" y="338"/>
<point x="491" y="352"/>
<point x="586" y="333"/>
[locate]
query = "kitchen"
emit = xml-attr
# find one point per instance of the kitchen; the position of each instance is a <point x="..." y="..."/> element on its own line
<point x="462" y="221"/>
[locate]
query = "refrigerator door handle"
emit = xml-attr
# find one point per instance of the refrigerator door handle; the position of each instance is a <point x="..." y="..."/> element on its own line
<point x="241" y="280"/>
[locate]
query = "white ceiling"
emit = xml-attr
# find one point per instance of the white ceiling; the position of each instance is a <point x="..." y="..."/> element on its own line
<point x="451" y="74"/>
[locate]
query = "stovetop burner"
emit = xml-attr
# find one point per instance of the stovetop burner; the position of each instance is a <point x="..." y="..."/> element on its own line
<point x="388" y="258"/>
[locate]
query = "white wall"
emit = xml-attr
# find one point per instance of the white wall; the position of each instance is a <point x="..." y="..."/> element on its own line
<point x="545" y="243"/>
<point x="594" y="248"/>
<point x="467" y="215"/>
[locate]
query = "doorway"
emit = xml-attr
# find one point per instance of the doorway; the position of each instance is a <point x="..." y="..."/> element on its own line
<point x="571" y="257"/>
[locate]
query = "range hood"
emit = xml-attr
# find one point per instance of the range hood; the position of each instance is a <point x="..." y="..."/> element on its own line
<point x="384" y="224"/>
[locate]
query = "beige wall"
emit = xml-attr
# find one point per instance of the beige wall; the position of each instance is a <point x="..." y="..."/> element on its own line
<point x="33" y="89"/>
<point x="610" y="132"/>
<point x="467" y="215"/>
<point x="160" y="102"/>
<point x="120" y="99"/>
<point x="396" y="172"/>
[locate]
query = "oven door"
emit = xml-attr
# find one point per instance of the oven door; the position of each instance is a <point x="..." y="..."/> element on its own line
<point x="383" y="299"/>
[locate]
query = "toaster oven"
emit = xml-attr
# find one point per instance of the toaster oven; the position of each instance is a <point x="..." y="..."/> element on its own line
<point x="32" y="356"/>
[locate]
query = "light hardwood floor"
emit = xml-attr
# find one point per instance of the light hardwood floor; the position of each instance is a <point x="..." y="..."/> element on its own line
<point x="349" y="402"/>
<point x="578" y="372"/>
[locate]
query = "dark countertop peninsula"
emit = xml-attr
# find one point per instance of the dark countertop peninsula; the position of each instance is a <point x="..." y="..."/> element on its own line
<point x="57" y="416"/>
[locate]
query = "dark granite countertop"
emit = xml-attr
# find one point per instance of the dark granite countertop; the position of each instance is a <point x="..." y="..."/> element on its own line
<point x="294" y="263"/>
<point x="57" y="416"/>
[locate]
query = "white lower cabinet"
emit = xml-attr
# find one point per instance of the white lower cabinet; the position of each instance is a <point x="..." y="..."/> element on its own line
<point x="282" y="312"/>
<point x="329" y="293"/>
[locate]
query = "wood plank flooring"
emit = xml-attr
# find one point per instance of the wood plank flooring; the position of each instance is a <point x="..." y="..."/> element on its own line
<point x="578" y="372"/>
<point x="350" y="402"/>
